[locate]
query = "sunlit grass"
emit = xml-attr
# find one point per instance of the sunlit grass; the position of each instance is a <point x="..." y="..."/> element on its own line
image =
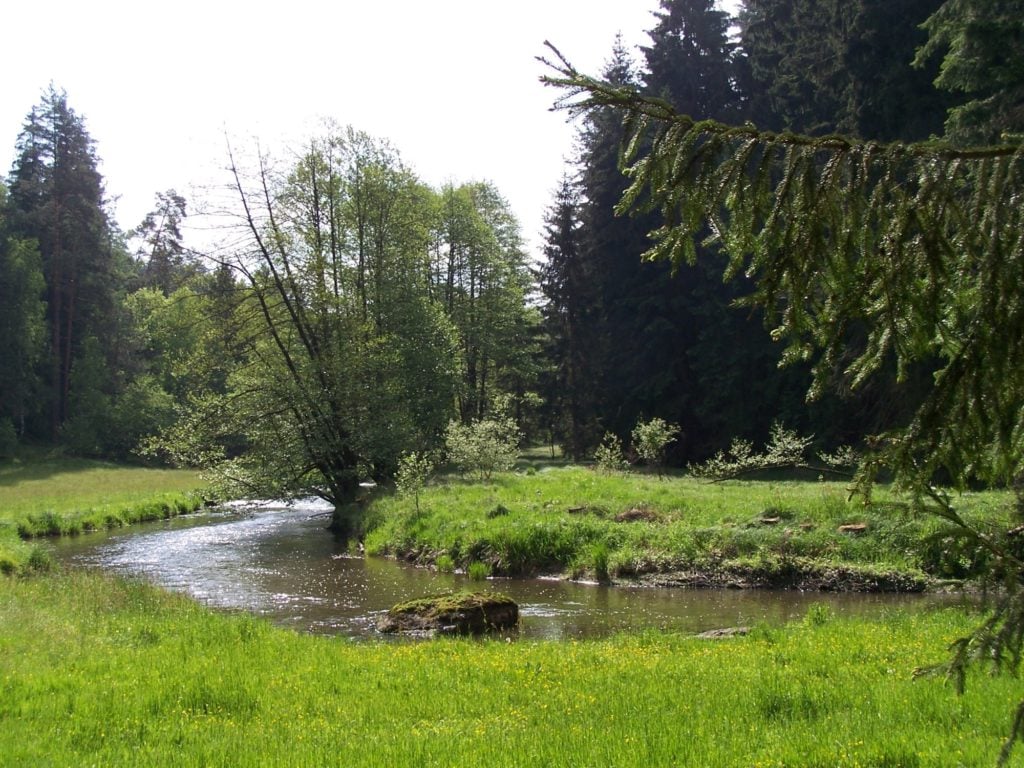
<point x="99" y="672"/>
<point x="557" y="519"/>
<point x="61" y="496"/>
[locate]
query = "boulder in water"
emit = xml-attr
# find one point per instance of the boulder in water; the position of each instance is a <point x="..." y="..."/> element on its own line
<point x="459" y="613"/>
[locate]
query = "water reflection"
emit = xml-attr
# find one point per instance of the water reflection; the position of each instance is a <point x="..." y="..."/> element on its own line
<point x="281" y="563"/>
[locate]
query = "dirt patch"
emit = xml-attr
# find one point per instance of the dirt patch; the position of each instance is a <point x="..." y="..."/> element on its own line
<point x="637" y="514"/>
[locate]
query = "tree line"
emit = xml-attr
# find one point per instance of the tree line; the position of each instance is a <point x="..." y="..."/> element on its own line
<point x="353" y="314"/>
<point x="358" y="311"/>
<point x="632" y="338"/>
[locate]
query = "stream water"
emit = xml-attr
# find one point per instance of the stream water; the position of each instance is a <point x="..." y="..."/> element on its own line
<point x="281" y="563"/>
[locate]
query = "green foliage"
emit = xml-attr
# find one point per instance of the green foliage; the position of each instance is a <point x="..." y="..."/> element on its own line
<point x="982" y="42"/>
<point x="483" y="447"/>
<point x="22" y="324"/>
<point x="63" y="496"/>
<point x="57" y="200"/>
<point x="413" y="470"/>
<point x="868" y="258"/>
<point x="765" y="532"/>
<point x="923" y="254"/>
<point x="569" y="293"/>
<point x="599" y="558"/>
<point x="651" y="438"/>
<point x="785" y="450"/>
<point x="818" y="615"/>
<point x="609" y="456"/>
<point x="165" y="263"/>
<point x="445" y="564"/>
<point x="479" y="276"/>
<point x="499" y="511"/>
<point x="370" y="308"/>
<point x="478" y="571"/>
<point x="86" y="433"/>
<point x="826" y="66"/>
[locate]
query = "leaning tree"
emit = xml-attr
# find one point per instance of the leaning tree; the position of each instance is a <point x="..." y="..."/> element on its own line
<point x="865" y="256"/>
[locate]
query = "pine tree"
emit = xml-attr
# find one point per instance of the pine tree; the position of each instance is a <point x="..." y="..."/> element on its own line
<point x="627" y="366"/>
<point x="56" y="198"/>
<point x="690" y="61"/>
<point x="840" y="66"/>
<point x="164" y="262"/>
<point x="566" y="286"/>
<point x="22" y="329"/>
<point x="983" y="46"/>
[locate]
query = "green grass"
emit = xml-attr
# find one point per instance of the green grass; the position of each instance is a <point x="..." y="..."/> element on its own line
<point x="95" y="671"/>
<point x="586" y="523"/>
<point x="61" y="496"/>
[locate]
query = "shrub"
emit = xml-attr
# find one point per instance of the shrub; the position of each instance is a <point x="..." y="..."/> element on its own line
<point x="599" y="557"/>
<point x="818" y="615"/>
<point x="608" y="456"/>
<point x="445" y="564"/>
<point x="39" y="560"/>
<point x="413" y="470"/>
<point x="499" y="511"/>
<point x="651" y="438"/>
<point x="483" y="447"/>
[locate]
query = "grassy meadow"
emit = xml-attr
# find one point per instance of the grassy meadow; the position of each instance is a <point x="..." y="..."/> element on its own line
<point x="97" y="671"/>
<point x="49" y="496"/>
<point x="585" y="523"/>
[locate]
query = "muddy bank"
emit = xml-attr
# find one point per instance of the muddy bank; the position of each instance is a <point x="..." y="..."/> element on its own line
<point x="807" y="577"/>
<point x="769" y="572"/>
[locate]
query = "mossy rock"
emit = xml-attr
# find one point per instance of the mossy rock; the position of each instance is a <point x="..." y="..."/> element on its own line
<point x="459" y="613"/>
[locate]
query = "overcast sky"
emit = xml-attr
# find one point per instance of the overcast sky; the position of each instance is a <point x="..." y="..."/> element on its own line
<point x="453" y="84"/>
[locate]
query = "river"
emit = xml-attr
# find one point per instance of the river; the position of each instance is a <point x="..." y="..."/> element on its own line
<point x="279" y="562"/>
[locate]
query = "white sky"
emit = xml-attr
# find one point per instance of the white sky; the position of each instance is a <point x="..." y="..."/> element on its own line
<point x="453" y="84"/>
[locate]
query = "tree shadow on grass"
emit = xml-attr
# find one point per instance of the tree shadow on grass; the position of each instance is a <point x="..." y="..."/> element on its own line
<point x="37" y="467"/>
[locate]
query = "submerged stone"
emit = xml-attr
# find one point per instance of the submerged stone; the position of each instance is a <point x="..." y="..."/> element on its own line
<point x="459" y="613"/>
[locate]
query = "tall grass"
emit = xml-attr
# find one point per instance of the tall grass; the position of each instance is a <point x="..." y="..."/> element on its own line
<point x="101" y="672"/>
<point x="556" y="520"/>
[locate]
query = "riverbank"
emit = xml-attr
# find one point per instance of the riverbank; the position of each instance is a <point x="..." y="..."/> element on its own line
<point x="57" y="496"/>
<point x="101" y="671"/>
<point x="635" y="528"/>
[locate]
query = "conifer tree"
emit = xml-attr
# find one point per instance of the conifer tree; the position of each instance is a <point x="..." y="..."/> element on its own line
<point x="56" y="198"/>
<point x="22" y="328"/>
<point x="839" y="66"/>
<point x="566" y="285"/>
<point x="982" y="42"/>
<point x="164" y="263"/>
<point x="919" y="245"/>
